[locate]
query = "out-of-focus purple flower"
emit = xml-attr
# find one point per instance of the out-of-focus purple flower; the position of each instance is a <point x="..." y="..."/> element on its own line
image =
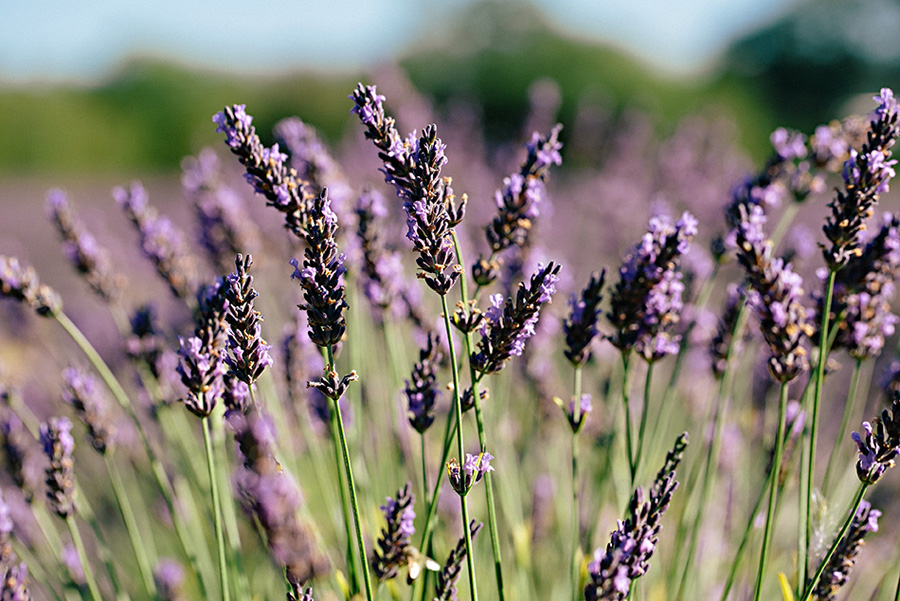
<point x="445" y="583"/>
<point x="507" y="325"/>
<point x="788" y="144"/>
<point x="837" y="571"/>
<point x="267" y="169"/>
<point x="463" y="478"/>
<point x="202" y="356"/>
<point x="81" y="248"/>
<point x="7" y="555"/>
<point x="59" y="447"/>
<point x="421" y="389"/>
<point x="72" y="561"/>
<point x="647" y="298"/>
<point x="321" y="276"/>
<point x="393" y="546"/>
<point x="867" y="173"/>
<point x="631" y="544"/>
<point x="270" y="495"/>
<point x="723" y="343"/>
<point x="581" y="325"/>
<point x="413" y="167"/>
<point x="584" y="409"/>
<point x="879" y="445"/>
<point x="297" y="593"/>
<point x="381" y="276"/>
<point x="19" y="454"/>
<point x="169" y="578"/>
<point x="225" y="227"/>
<point x="21" y="283"/>
<point x="145" y="343"/>
<point x="15" y="584"/>
<point x="81" y="392"/>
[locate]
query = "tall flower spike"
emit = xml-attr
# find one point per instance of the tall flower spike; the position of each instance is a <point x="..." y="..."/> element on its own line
<point x="631" y="545"/>
<point x="879" y="445"/>
<point x="321" y="276"/>
<point x="773" y="291"/>
<point x="519" y="201"/>
<point x="161" y="242"/>
<point x="81" y="249"/>
<point x="647" y="297"/>
<point x="202" y="363"/>
<point x="837" y="572"/>
<point x="507" y="325"/>
<point x="267" y="169"/>
<point x="19" y="454"/>
<point x="421" y="390"/>
<point x="382" y="271"/>
<point x="249" y="355"/>
<point x="413" y="167"/>
<point x="81" y="392"/>
<point x="310" y="157"/>
<point x="21" y="283"/>
<point x="445" y="583"/>
<point x="580" y="327"/>
<point x="867" y="173"/>
<point x="225" y="227"/>
<point x="146" y="342"/>
<point x="393" y="545"/>
<point x="59" y="447"/>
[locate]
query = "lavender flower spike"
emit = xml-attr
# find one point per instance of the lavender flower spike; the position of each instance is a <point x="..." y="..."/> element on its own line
<point x="81" y="392"/>
<point x="59" y="447"/>
<point x="15" y="584"/>
<point x="581" y="325"/>
<point x="249" y="355"/>
<point x="837" y="572"/>
<point x="421" y="390"/>
<point x="202" y="363"/>
<point x="169" y="578"/>
<point x="321" y="276"/>
<point x="463" y="478"/>
<point x="867" y="173"/>
<point x="506" y="326"/>
<point x="393" y="545"/>
<point x="445" y="585"/>
<point x="267" y="169"/>
<point x="879" y="445"/>
<point x="81" y="249"/>
<point x="21" y="283"/>
<point x="631" y="545"/>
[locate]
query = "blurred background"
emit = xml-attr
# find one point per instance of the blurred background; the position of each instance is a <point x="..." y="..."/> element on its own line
<point x="102" y="87"/>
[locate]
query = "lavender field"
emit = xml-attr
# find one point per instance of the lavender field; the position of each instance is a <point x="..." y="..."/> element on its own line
<point x="583" y="363"/>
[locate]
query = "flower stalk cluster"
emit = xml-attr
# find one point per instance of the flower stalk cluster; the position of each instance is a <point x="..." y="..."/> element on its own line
<point x="21" y="283"/>
<point x="879" y="444"/>
<point x="837" y="572"/>
<point x="59" y="447"/>
<point x="580" y="327"/>
<point x="631" y="545"/>
<point x="394" y="545"/>
<point x="421" y="388"/>
<point x="202" y="355"/>
<point x="267" y="168"/>
<point x="249" y="355"/>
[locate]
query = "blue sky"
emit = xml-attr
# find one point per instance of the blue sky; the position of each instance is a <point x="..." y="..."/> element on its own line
<point x="77" y="41"/>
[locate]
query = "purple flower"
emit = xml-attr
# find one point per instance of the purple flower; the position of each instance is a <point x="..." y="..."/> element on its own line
<point x="393" y="546"/>
<point x="21" y="283"/>
<point x="249" y="355"/>
<point x="202" y="356"/>
<point x="59" y="446"/>
<point x="879" y="445"/>
<point x="169" y="578"/>
<point x="421" y="389"/>
<point x="837" y="571"/>
<point x="581" y="325"/>
<point x="81" y="392"/>
<point x="788" y="144"/>
<point x="463" y="478"/>
<point x="445" y="584"/>
<point x="15" y="584"/>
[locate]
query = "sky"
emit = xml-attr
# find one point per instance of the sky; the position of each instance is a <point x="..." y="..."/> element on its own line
<point x="53" y="40"/>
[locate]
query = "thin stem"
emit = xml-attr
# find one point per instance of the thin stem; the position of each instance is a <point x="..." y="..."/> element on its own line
<point x="131" y="527"/>
<point x="644" y="411"/>
<point x="814" y="423"/>
<point x="773" y="490"/>
<point x="82" y="556"/>
<point x="860" y="492"/>
<point x="424" y="468"/>
<point x="351" y="486"/>
<point x="625" y="374"/>
<point x="217" y="509"/>
<point x="576" y="506"/>
<point x="849" y="407"/>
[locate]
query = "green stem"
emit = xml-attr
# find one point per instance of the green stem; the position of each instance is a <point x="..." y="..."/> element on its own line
<point x="625" y="375"/>
<point x="860" y="492"/>
<point x="217" y="509"/>
<point x="424" y="467"/>
<point x="773" y="490"/>
<point x="82" y="556"/>
<point x="457" y="402"/>
<point x="849" y="407"/>
<point x="813" y="430"/>
<point x="351" y="486"/>
<point x="645" y="410"/>
<point x="576" y="506"/>
<point x="131" y="527"/>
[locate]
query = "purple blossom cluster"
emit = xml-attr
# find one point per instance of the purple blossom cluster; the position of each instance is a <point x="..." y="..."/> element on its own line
<point x="59" y="447"/>
<point x="508" y="324"/>
<point x="580" y="327"/>
<point x="169" y="579"/>
<point x="421" y="389"/>
<point x="310" y="157"/>
<point x="867" y="174"/>
<point x="632" y="543"/>
<point x="394" y="546"/>
<point x="18" y="449"/>
<point x="321" y="276"/>
<point x="267" y="168"/>
<point x="837" y="571"/>
<point x="446" y="579"/>
<point x="81" y="392"/>
<point x="413" y="167"/>
<point x="249" y="353"/>
<point x="381" y="275"/>
<point x="81" y="248"/>
<point x="879" y="444"/>
<point x="15" y="583"/>
<point x="21" y="283"/>
<point x="202" y="356"/>
<point x="646" y="301"/>
<point x="161" y="242"/>
<point x="774" y="292"/>
<point x="464" y="477"/>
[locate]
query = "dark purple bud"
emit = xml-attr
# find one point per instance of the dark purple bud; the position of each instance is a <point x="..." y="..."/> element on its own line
<point x="445" y="585"/>
<point x="59" y="447"/>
